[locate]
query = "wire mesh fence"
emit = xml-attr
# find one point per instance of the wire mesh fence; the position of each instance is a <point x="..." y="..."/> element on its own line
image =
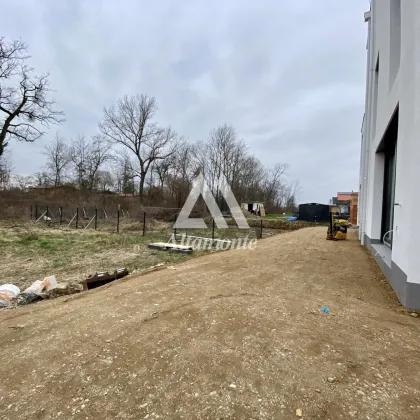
<point x="147" y="221"/>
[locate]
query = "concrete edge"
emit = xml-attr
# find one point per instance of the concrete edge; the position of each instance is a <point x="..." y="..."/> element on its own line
<point x="408" y="293"/>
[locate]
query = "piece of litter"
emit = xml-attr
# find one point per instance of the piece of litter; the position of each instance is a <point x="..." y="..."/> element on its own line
<point x="414" y="315"/>
<point x="325" y="309"/>
<point x="213" y="393"/>
<point x="8" y="292"/>
<point x="299" y="412"/>
<point x="233" y="386"/>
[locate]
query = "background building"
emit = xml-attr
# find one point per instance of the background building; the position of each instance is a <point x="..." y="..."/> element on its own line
<point x="389" y="198"/>
<point x="314" y="212"/>
<point x="347" y="203"/>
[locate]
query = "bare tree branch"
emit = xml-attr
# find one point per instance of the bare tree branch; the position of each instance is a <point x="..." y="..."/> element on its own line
<point x="129" y="123"/>
<point x="24" y="99"/>
<point x="12" y="54"/>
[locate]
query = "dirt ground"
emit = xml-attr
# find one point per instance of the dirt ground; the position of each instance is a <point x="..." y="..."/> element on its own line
<point x="233" y="335"/>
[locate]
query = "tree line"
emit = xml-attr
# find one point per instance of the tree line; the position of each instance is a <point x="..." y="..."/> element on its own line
<point x="130" y="153"/>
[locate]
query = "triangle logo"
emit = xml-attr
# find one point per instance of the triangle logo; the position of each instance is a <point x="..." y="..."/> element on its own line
<point x="200" y="187"/>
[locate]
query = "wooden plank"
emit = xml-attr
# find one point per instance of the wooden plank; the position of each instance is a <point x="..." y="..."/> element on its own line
<point x="166" y="246"/>
<point x="171" y="245"/>
<point x="210" y="239"/>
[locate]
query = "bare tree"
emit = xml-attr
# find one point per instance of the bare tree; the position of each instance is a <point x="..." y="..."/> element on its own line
<point x="224" y="154"/>
<point x="41" y="179"/>
<point x="162" y="169"/>
<point x="24" y="181"/>
<point x="129" y="123"/>
<point x="6" y="171"/>
<point x="221" y="154"/>
<point x="58" y="158"/>
<point x="87" y="158"/>
<point x="291" y="195"/>
<point x="274" y="185"/>
<point x="251" y="177"/>
<point x="124" y="174"/>
<point x="99" y="153"/>
<point x="105" y="181"/>
<point x="79" y="155"/>
<point x="181" y="172"/>
<point x="24" y="98"/>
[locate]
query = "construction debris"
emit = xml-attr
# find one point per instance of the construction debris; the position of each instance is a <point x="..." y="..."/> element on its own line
<point x="100" y="278"/>
<point x="25" y="298"/>
<point x="11" y="296"/>
<point x="36" y="291"/>
<point x="64" y="289"/>
<point x="167" y="246"/>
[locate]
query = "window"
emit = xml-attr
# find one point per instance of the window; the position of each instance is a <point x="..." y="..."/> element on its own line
<point x="390" y="153"/>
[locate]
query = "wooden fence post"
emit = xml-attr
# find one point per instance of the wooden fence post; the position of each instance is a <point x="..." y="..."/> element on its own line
<point x="96" y="219"/>
<point x="77" y="217"/>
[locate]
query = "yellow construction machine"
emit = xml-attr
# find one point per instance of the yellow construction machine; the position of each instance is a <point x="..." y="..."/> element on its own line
<point x="337" y="230"/>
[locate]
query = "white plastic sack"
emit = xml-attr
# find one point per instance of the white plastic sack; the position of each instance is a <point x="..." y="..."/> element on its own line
<point x="8" y="292"/>
<point x="50" y="282"/>
<point x="38" y="286"/>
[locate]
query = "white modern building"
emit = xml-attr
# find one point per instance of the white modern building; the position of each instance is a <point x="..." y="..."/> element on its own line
<point x="389" y="200"/>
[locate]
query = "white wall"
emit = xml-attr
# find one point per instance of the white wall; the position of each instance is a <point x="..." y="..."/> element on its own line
<point x="409" y="180"/>
<point x="398" y="84"/>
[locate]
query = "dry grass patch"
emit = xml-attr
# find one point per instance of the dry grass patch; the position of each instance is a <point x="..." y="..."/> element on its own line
<point x="31" y="253"/>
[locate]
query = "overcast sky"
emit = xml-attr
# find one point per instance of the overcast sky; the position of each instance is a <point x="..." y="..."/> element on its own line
<point x="288" y="74"/>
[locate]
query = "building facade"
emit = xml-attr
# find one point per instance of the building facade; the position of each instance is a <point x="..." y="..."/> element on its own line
<point x="389" y="199"/>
